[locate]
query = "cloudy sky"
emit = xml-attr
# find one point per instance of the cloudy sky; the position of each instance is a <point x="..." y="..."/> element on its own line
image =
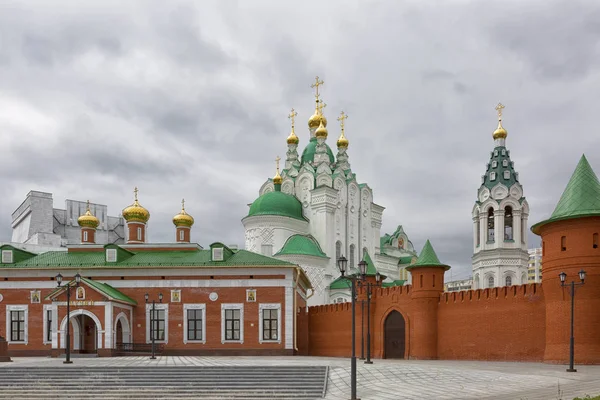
<point x="189" y="99"/>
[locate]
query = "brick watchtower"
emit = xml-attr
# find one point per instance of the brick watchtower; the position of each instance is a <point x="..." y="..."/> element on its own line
<point x="88" y="223"/>
<point x="183" y="221"/>
<point x="569" y="244"/>
<point x="427" y="286"/>
<point x="137" y="217"/>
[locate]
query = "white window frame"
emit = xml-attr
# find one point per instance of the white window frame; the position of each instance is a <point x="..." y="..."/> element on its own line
<point x="49" y="307"/>
<point x="506" y="174"/>
<point x="187" y="307"/>
<point x="85" y="236"/>
<point x="232" y="306"/>
<point x="157" y="306"/>
<point x="492" y="176"/>
<point x="494" y="164"/>
<point x="19" y="307"/>
<point x="7" y="256"/>
<point x="505" y="163"/>
<point x="111" y="255"/>
<point x="269" y="306"/>
<point x="218" y="254"/>
<point x="495" y="153"/>
<point x="139" y="233"/>
<point x="181" y="235"/>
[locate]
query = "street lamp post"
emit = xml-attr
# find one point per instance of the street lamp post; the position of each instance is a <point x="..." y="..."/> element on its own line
<point x="362" y="330"/>
<point x="563" y="278"/>
<point x="59" y="279"/>
<point x="152" y="321"/>
<point x="369" y="293"/>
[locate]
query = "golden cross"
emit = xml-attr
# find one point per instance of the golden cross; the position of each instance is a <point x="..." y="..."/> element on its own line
<point x="316" y="86"/>
<point x="499" y="108"/>
<point x="320" y="106"/>
<point x="135" y="192"/>
<point x="342" y="119"/>
<point x="183" y="204"/>
<point x="88" y="206"/>
<point x="277" y="161"/>
<point x="292" y="116"/>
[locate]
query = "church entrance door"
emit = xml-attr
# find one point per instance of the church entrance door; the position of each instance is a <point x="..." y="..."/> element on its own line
<point x="395" y="335"/>
<point x="88" y="335"/>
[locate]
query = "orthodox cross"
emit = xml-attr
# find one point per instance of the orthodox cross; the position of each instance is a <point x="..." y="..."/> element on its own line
<point x="135" y="192"/>
<point x="277" y="161"/>
<point x="292" y="116"/>
<point x="499" y="108"/>
<point x="320" y="106"/>
<point x="182" y="204"/>
<point x="342" y="119"/>
<point x="88" y="206"/>
<point x="316" y="86"/>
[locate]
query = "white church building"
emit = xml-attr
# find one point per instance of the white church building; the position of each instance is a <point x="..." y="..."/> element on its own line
<point x="315" y="210"/>
<point x="500" y="255"/>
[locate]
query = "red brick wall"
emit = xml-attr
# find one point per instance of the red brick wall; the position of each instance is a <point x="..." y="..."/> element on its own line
<point x="492" y="324"/>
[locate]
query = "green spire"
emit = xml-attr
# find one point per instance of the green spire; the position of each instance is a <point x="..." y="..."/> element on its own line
<point x="428" y="258"/>
<point x="581" y="197"/>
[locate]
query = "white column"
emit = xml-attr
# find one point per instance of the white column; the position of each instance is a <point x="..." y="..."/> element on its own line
<point x="108" y="326"/>
<point x="517" y="228"/>
<point x="289" y="317"/>
<point x="524" y="218"/>
<point x="475" y="233"/>
<point x="499" y="228"/>
<point x="55" y="326"/>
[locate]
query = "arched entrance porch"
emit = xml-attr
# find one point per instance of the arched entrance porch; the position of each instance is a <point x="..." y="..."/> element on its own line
<point x="394" y="336"/>
<point x="122" y="333"/>
<point x="86" y="332"/>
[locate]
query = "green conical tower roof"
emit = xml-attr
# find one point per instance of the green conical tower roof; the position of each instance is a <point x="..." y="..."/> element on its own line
<point x="581" y="197"/>
<point x="428" y="258"/>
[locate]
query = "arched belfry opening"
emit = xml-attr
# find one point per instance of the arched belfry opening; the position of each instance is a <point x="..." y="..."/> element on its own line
<point x="508" y="223"/>
<point x="394" y="336"/>
<point x="490" y="225"/>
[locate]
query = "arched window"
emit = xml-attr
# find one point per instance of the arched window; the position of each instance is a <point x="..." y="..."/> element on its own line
<point x="491" y="226"/>
<point x="338" y="250"/>
<point x="508" y="281"/>
<point x="508" y="224"/>
<point x="491" y="282"/>
<point x="476" y="282"/>
<point x="351" y="259"/>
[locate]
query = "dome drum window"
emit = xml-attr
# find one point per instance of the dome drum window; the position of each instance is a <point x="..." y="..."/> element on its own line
<point x="7" y="256"/>
<point x="494" y="164"/>
<point x="492" y="176"/>
<point x="503" y="152"/>
<point x="506" y="174"/>
<point x="495" y="153"/>
<point x="505" y="163"/>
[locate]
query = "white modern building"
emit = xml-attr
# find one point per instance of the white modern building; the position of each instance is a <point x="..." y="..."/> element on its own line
<point x="315" y="210"/>
<point x="534" y="270"/>
<point x="500" y="256"/>
<point x="37" y="222"/>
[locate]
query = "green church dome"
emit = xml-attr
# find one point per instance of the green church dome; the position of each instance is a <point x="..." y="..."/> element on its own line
<point x="308" y="155"/>
<point x="277" y="203"/>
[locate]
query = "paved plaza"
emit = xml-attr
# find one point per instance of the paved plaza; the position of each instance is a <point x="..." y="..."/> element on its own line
<point x="395" y="379"/>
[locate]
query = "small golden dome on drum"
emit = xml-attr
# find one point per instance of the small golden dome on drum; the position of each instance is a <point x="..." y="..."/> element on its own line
<point x="316" y="119"/>
<point x="88" y="220"/>
<point x="183" y="218"/>
<point x="500" y="132"/>
<point x="293" y="139"/>
<point x="342" y="141"/>
<point x="321" y="131"/>
<point x="135" y="212"/>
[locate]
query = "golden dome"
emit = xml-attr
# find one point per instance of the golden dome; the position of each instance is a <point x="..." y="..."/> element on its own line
<point x="293" y="139"/>
<point x="88" y="220"/>
<point x="135" y="212"/>
<point x="321" y="131"/>
<point x="500" y="132"/>
<point x="183" y="218"/>
<point x="342" y="141"/>
<point x="315" y="120"/>
<point x="277" y="178"/>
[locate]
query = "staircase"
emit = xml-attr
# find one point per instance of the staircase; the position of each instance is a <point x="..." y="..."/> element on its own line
<point x="218" y="382"/>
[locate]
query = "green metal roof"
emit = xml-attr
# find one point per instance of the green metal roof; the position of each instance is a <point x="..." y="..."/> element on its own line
<point x="498" y="157"/>
<point x="581" y="197"/>
<point x="17" y="254"/>
<point x="308" y="155"/>
<point x="397" y="282"/>
<point x="277" y="203"/>
<point x="428" y="258"/>
<point x="341" y="283"/>
<point x="192" y="258"/>
<point x="371" y="270"/>
<point x="405" y="260"/>
<point x="302" y="245"/>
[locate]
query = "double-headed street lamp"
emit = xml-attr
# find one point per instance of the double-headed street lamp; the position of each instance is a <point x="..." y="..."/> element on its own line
<point x="152" y="321"/>
<point x="59" y="279"/>
<point x="563" y="278"/>
<point x="369" y="286"/>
